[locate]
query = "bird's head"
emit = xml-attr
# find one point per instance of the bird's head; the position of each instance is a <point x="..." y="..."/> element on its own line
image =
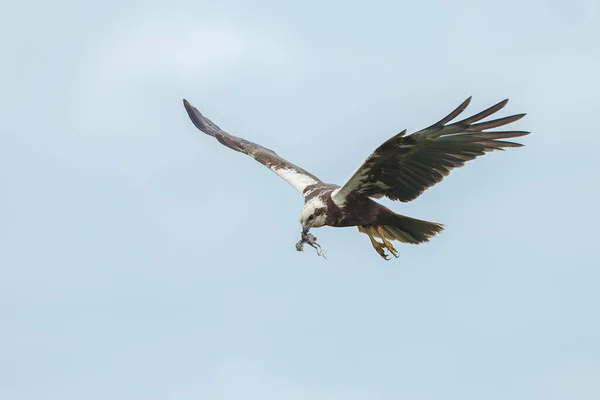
<point x="313" y="214"/>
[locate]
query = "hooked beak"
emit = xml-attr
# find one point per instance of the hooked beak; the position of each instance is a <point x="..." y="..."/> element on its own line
<point x="305" y="229"/>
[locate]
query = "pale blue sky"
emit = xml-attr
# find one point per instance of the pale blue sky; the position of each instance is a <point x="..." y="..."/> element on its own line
<point x="140" y="259"/>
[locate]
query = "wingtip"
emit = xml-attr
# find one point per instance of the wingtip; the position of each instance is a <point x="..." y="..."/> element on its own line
<point x="195" y="116"/>
<point x="499" y="106"/>
<point x="519" y="116"/>
<point x="466" y="103"/>
<point x="457" y="111"/>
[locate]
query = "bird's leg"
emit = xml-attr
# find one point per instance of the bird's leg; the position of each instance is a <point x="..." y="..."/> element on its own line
<point x="386" y="242"/>
<point x="379" y="247"/>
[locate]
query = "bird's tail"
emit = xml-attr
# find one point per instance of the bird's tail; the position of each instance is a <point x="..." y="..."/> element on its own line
<point x="404" y="229"/>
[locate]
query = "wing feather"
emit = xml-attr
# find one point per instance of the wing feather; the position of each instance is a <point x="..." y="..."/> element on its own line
<point x="403" y="167"/>
<point x="292" y="174"/>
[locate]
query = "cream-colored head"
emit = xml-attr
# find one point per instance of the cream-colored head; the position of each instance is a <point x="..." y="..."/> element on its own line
<point x="313" y="214"/>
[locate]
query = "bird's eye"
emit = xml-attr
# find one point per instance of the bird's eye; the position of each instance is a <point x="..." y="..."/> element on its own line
<point x="312" y="216"/>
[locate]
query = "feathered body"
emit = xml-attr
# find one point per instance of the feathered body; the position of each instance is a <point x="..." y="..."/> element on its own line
<point x="366" y="214"/>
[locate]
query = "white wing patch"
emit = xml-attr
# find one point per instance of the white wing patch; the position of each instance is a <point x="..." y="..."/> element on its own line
<point x="339" y="197"/>
<point x="336" y="200"/>
<point x="298" y="180"/>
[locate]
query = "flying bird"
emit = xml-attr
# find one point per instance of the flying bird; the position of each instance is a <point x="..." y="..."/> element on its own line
<point x="401" y="169"/>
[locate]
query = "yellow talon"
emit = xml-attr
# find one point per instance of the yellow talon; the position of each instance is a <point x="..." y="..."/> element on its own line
<point x="386" y="242"/>
<point x="379" y="247"/>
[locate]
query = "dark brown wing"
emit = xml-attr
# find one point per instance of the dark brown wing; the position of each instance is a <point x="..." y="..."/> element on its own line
<point x="295" y="176"/>
<point x="405" y="166"/>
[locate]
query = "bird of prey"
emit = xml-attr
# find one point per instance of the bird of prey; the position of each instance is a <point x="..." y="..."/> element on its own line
<point x="400" y="169"/>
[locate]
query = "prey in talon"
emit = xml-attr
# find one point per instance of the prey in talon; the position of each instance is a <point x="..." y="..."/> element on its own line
<point x="311" y="240"/>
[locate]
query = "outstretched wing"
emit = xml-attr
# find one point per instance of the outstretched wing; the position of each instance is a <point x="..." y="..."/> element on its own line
<point x="295" y="176"/>
<point x="405" y="166"/>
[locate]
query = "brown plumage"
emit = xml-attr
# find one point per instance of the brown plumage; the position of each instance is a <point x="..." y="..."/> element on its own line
<point x="401" y="169"/>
